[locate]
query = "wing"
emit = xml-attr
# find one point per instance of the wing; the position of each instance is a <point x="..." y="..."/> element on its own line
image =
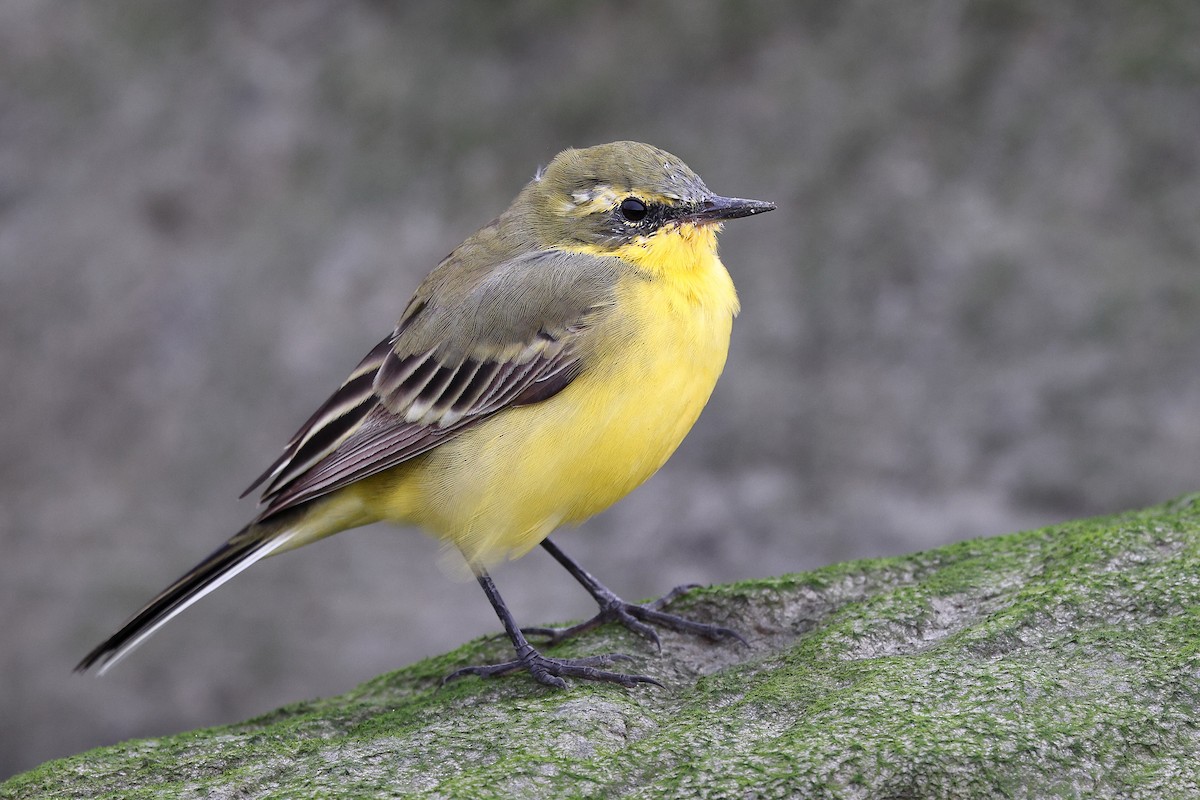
<point x="512" y="335"/>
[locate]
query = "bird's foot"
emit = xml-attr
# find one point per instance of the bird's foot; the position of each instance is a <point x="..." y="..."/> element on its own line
<point x="635" y="616"/>
<point x="552" y="671"/>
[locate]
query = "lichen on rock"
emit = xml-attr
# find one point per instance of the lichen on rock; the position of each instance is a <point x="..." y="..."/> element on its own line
<point x="1060" y="662"/>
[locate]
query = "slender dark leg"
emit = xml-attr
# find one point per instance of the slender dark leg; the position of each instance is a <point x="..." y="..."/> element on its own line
<point x="544" y="669"/>
<point x="632" y="615"/>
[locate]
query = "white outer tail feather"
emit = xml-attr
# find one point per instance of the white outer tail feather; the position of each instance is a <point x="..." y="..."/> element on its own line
<point x="251" y="557"/>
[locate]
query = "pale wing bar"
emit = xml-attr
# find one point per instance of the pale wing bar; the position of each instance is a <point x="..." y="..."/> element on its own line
<point x="464" y="395"/>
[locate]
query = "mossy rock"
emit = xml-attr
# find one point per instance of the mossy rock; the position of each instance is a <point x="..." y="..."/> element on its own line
<point x="1062" y="662"/>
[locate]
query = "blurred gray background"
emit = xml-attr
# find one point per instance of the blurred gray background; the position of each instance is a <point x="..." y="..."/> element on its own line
<point x="977" y="309"/>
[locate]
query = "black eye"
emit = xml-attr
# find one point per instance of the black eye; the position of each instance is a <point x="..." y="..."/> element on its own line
<point x="633" y="209"/>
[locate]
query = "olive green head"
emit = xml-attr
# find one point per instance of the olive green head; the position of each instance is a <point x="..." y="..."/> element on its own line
<point x="607" y="196"/>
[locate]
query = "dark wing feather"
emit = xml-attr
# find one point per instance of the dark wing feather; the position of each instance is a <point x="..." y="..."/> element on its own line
<point x="336" y="419"/>
<point x="420" y="387"/>
<point x="386" y="438"/>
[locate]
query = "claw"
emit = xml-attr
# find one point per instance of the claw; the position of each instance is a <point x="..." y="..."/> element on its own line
<point x="613" y="612"/>
<point x="545" y="670"/>
<point x="634" y="617"/>
<point x="551" y="671"/>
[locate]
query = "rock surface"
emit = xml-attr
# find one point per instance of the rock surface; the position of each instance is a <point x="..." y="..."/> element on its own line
<point x="1062" y="662"/>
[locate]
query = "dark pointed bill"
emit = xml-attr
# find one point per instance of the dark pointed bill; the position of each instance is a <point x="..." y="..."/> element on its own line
<point x="716" y="208"/>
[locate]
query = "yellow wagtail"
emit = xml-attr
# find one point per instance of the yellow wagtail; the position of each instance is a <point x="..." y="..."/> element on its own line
<point x="543" y="370"/>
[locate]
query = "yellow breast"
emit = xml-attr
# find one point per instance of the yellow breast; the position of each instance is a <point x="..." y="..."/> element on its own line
<point x="503" y="486"/>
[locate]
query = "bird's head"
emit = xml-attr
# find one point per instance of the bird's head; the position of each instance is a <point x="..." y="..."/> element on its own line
<point x="624" y="198"/>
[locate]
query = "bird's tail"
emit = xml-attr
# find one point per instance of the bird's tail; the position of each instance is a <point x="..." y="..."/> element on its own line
<point x="254" y="542"/>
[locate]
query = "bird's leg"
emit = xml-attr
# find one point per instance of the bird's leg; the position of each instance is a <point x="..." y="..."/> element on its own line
<point x="545" y="670"/>
<point x="633" y="616"/>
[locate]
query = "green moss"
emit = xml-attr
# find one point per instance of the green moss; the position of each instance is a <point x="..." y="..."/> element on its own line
<point x="1057" y="662"/>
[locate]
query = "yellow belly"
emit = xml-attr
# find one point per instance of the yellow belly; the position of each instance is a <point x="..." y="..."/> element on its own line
<point x="500" y="488"/>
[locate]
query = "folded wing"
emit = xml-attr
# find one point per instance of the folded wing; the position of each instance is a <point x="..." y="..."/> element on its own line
<point x="460" y="354"/>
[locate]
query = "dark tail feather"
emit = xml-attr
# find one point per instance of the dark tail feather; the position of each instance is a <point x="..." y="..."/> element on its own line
<point x="251" y="544"/>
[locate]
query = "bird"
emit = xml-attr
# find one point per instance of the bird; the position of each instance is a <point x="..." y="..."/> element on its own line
<point x="543" y="370"/>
